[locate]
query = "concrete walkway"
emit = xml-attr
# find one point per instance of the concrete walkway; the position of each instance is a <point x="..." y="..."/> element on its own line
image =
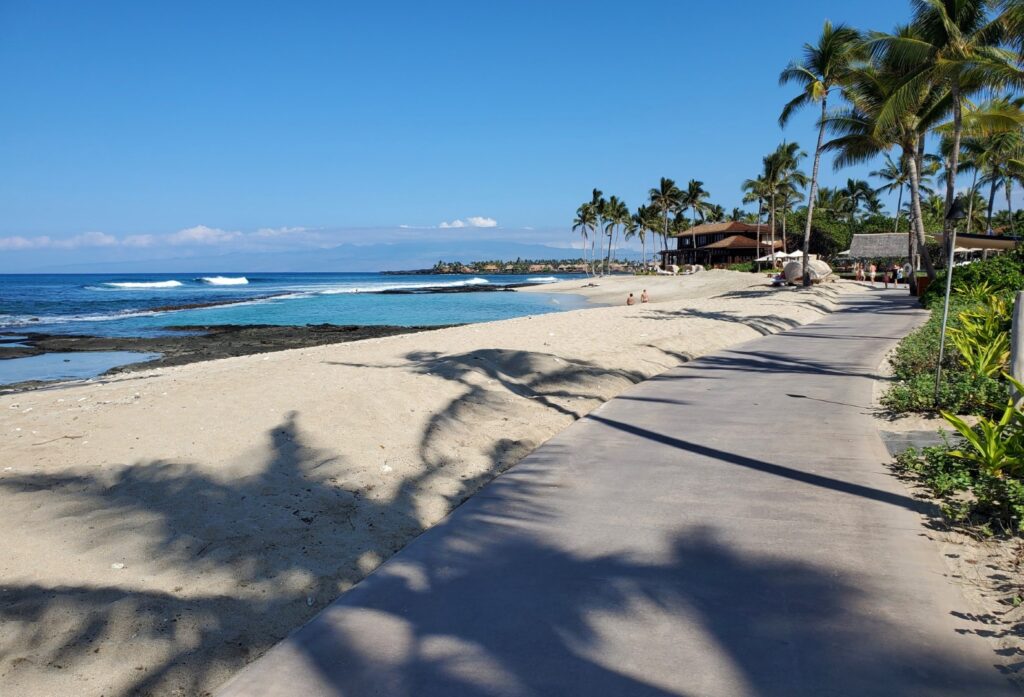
<point x="726" y="528"/>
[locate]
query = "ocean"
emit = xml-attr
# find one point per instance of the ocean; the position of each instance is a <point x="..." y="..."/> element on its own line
<point x="148" y="304"/>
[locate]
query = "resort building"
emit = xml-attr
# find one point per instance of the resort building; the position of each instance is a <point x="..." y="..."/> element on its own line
<point x="721" y="243"/>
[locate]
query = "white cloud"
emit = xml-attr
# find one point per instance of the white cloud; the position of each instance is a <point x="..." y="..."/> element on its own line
<point x="86" y="239"/>
<point x="18" y="242"/>
<point x="201" y="234"/>
<point x="266" y="232"/>
<point x="471" y="221"/>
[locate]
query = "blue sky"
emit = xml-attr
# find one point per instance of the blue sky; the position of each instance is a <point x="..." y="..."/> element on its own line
<point x="143" y="130"/>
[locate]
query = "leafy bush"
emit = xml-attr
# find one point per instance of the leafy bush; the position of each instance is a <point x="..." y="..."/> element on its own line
<point x="960" y="391"/>
<point x="1003" y="273"/>
<point x="983" y="335"/>
<point x="743" y="266"/>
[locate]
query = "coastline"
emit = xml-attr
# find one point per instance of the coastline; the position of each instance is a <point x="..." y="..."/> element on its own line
<point x="211" y="508"/>
<point x="192" y="344"/>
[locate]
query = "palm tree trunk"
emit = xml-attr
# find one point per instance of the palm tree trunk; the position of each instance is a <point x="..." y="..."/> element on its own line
<point x="992" y="200"/>
<point x="899" y="207"/>
<point x="970" y="203"/>
<point x="771" y="225"/>
<point x="813" y="195"/>
<point x="1009" y="204"/>
<point x="915" y="203"/>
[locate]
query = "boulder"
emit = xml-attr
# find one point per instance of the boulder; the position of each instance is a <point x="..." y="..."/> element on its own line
<point x="794" y="271"/>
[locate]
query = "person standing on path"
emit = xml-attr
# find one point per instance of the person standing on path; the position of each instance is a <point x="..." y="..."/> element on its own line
<point x="872" y="270"/>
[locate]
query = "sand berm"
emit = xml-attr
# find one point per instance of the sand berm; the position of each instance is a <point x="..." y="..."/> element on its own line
<point x="160" y="529"/>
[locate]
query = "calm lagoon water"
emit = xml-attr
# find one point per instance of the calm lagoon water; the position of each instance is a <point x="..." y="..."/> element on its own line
<point x="67" y="366"/>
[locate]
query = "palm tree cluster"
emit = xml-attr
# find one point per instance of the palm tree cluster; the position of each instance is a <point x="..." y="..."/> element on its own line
<point x="668" y="211"/>
<point x="951" y="71"/>
<point x="936" y="97"/>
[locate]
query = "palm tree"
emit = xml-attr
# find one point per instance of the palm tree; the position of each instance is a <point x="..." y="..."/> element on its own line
<point x="585" y="223"/>
<point x="756" y="191"/>
<point x="856" y="192"/>
<point x="713" y="213"/>
<point x="861" y="133"/>
<point x="781" y="177"/>
<point x="824" y="67"/>
<point x="598" y="204"/>
<point x="616" y="214"/>
<point x="693" y="199"/>
<point x="639" y="225"/>
<point x="895" y="177"/>
<point x="665" y="200"/>
<point x="737" y="215"/>
<point x="957" y="45"/>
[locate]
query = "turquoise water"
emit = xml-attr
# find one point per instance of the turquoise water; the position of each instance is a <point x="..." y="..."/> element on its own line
<point x="67" y="366"/>
<point x="136" y="304"/>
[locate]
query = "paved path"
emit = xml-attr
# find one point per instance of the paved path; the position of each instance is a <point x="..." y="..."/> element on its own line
<point x="723" y="529"/>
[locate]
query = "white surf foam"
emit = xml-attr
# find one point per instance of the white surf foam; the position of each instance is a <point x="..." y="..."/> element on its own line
<point x="132" y="285"/>
<point x="404" y="286"/>
<point x="224" y="280"/>
<point x="542" y="279"/>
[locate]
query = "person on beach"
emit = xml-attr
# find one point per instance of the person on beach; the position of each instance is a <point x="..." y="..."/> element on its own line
<point x="630" y="300"/>
<point x="644" y="297"/>
<point x="894" y="272"/>
<point x="872" y="270"/>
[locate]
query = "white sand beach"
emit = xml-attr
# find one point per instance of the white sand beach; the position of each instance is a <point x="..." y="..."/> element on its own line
<point x="161" y="529"/>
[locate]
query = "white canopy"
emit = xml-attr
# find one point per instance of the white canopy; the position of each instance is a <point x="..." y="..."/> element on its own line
<point x="798" y="254"/>
<point x="769" y="257"/>
<point x="844" y="254"/>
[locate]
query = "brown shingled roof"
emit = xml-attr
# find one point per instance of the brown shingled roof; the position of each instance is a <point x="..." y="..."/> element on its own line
<point x="738" y="242"/>
<point x="732" y="226"/>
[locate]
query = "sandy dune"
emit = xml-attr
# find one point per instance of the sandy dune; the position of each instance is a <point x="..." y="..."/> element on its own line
<point x="161" y="529"/>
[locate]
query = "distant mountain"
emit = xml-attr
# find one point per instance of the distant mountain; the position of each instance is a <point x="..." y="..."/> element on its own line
<point x="345" y="257"/>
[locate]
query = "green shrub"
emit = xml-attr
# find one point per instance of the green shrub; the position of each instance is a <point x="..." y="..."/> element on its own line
<point x="1004" y="272"/>
<point x="960" y="391"/>
<point x="744" y="266"/>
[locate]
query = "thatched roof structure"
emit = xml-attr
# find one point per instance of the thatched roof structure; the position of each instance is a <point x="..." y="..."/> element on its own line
<point x="885" y="245"/>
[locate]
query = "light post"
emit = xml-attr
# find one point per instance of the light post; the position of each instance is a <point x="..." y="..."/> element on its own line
<point x="955" y="215"/>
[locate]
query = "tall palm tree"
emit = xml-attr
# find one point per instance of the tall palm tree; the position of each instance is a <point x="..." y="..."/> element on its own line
<point x="862" y="133"/>
<point x="757" y="191"/>
<point x="694" y="199"/>
<point x="783" y="176"/>
<point x="824" y="67"/>
<point x="737" y="215"/>
<point x="895" y="177"/>
<point x="958" y="45"/>
<point x="665" y="200"/>
<point x="585" y="223"/>
<point x="616" y="216"/>
<point x="854" y="194"/>
<point x="639" y="225"/>
<point x="598" y="204"/>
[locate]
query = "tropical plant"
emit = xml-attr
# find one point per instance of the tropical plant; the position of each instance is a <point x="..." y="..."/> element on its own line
<point x="982" y="337"/>
<point x="895" y="177"/>
<point x="616" y="215"/>
<point x="957" y="46"/>
<point x="862" y="133"/>
<point x="585" y="223"/>
<point x="825" y="67"/>
<point x="694" y="199"/>
<point x="665" y="199"/>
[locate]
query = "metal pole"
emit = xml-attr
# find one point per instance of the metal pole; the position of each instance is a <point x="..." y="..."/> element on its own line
<point x="945" y="313"/>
